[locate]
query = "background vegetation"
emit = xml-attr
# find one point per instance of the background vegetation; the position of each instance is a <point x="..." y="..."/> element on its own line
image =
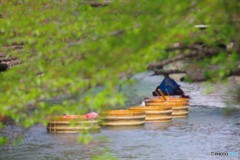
<point x="80" y="54"/>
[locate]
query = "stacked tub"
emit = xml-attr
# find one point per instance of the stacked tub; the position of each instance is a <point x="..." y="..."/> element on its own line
<point x="72" y="124"/>
<point x="157" y="109"/>
<point x="155" y="113"/>
<point x="123" y="118"/>
<point x="179" y="105"/>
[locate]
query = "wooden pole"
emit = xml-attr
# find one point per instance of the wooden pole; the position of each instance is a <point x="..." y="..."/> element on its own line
<point x="161" y="93"/>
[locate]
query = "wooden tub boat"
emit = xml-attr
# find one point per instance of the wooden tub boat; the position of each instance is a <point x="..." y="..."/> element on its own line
<point x="155" y="113"/>
<point x="180" y="111"/>
<point x="123" y="118"/>
<point x="168" y="99"/>
<point x="71" y="124"/>
<point x="165" y="103"/>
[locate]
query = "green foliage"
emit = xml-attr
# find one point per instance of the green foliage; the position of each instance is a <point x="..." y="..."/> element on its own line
<point x="105" y="156"/>
<point x="3" y="140"/>
<point x="84" y="138"/>
<point x="86" y="53"/>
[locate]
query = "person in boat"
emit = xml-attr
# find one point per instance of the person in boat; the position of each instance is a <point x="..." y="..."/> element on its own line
<point x="168" y="86"/>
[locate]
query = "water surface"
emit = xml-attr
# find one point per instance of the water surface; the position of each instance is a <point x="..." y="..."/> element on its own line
<point x="206" y="130"/>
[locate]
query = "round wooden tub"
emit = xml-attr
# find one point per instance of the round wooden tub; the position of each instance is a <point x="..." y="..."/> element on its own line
<point x="168" y="99"/>
<point x="71" y="124"/>
<point x="123" y="118"/>
<point x="180" y="111"/>
<point x="155" y="113"/>
<point x="165" y="103"/>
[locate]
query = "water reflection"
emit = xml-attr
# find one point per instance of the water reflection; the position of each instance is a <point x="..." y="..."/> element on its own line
<point x="123" y="128"/>
<point x="156" y="126"/>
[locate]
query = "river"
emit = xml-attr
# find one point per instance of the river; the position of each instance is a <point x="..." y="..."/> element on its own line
<point x="207" y="134"/>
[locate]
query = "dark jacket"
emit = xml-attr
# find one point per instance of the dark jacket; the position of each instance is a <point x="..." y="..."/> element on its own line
<point x="168" y="86"/>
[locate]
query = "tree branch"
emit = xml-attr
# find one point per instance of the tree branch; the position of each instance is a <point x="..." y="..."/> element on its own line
<point x="157" y="72"/>
<point x="196" y="53"/>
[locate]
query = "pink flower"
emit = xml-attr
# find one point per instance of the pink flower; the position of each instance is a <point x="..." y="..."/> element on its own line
<point x="91" y="115"/>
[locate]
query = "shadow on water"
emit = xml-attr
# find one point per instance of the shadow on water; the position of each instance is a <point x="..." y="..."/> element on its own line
<point x="207" y="130"/>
